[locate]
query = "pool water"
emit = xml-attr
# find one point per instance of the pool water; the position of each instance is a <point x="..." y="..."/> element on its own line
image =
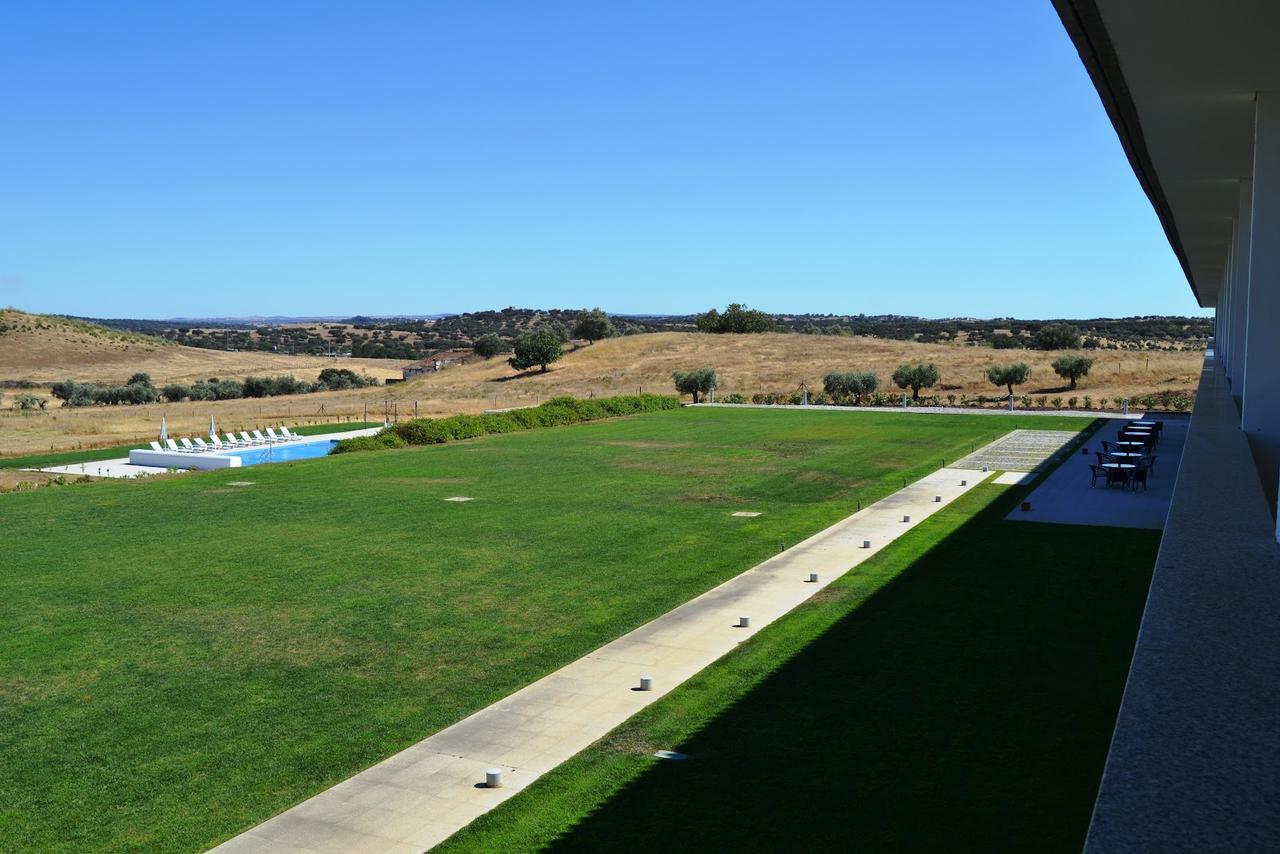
<point x="284" y="453"/>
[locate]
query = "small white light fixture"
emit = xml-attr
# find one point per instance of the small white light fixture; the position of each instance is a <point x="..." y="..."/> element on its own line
<point x="813" y="578"/>
<point x="744" y="622"/>
<point x="493" y="778"/>
<point x="646" y="683"/>
<point x="906" y="518"/>
<point x="937" y="499"/>
<point x="866" y="544"/>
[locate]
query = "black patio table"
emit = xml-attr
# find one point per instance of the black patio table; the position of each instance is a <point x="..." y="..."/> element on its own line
<point x="1128" y="444"/>
<point x="1126" y="455"/>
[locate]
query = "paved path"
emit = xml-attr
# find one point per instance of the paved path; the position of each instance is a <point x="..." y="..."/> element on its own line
<point x="1066" y="497"/>
<point x="933" y="410"/>
<point x="1021" y="450"/>
<point x="425" y="793"/>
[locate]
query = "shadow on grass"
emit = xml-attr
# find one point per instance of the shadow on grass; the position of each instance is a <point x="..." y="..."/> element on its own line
<point x="967" y="704"/>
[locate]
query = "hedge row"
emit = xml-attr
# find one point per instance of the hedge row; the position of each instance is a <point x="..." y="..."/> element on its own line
<point x="553" y="413"/>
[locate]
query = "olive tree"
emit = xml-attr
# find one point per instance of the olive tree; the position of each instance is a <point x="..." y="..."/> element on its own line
<point x="488" y="346"/>
<point x="916" y="377"/>
<point x="1009" y="375"/>
<point x="850" y="387"/>
<point x="1058" y="336"/>
<point x="696" y="382"/>
<point x="1072" y="368"/>
<point x="593" y="325"/>
<point x="539" y="348"/>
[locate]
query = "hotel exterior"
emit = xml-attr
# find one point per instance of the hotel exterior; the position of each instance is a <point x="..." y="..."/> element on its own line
<point x="1193" y="90"/>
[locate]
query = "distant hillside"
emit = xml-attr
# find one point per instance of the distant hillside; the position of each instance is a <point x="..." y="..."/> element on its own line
<point x="411" y="338"/>
<point x="45" y="348"/>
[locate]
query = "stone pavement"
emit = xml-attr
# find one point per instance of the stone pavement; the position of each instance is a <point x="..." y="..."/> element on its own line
<point x="1067" y="498"/>
<point x="425" y="793"/>
<point x="1020" y="450"/>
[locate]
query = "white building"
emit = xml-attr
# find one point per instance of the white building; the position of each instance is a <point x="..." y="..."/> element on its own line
<point x="1193" y="90"/>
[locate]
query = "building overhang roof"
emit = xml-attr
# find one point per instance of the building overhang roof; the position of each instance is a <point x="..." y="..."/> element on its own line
<point x="1178" y="79"/>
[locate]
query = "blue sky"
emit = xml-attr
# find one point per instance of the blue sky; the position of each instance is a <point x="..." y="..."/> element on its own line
<point x="931" y="158"/>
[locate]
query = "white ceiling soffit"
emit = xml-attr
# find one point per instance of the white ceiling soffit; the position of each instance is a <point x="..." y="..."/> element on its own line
<point x="1178" y="79"/>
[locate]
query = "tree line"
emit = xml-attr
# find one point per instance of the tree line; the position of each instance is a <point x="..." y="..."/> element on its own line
<point x="852" y="388"/>
<point x="140" y="390"/>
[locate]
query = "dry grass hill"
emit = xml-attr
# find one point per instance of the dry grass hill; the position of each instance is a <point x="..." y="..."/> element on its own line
<point x="41" y="348"/>
<point x="745" y="363"/>
<point x="780" y="362"/>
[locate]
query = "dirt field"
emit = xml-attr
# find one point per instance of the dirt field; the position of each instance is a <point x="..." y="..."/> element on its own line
<point x="745" y="363"/>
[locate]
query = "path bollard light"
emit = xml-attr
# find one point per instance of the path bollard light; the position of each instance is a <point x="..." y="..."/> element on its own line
<point x="646" y="683"/>
<point x="1084" y="452"/>
<point x="744" y="622"/>
<point x="1026" y="506"/>
<point x="866" y="544"/>
<point x="937" y="499"/>
<point x="964" y="483"/>
<point x="493" y="778"/>
<point x="984" y="469"/>
<point x="906" y="518"/>
<point x="813" y="578"/>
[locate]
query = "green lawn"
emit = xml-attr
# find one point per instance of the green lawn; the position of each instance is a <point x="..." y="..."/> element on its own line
<point x="183" y="657"/>
<point x="955" y="693"/>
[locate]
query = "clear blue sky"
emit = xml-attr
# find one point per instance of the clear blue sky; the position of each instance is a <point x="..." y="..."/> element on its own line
<point x="236" y="158"/>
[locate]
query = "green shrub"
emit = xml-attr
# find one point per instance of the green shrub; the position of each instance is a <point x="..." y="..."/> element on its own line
<point x="557" y="411"/>
<point x="734" y="398"/>
<point x="1057" y="403"/>
<point x="1088" y="402"/>
<point x="1026" y="401"/>
<point x="1071" y="403"/>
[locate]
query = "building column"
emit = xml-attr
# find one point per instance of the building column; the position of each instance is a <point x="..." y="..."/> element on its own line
<point x="1222" y="328"/>
<point x="1260" y="379"/>
<point x="1239" y="267"/>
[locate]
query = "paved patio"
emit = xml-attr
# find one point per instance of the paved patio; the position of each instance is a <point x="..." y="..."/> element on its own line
<point x="1020" y="450"/>
<point x="425" y="793"/>
<point x="1067" y="498"/>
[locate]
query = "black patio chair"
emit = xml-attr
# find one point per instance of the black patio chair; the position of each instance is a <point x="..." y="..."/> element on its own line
<point x="1138" y="476"/>
<point x="1096" y="472"/>
<point x="1150" y="462"/>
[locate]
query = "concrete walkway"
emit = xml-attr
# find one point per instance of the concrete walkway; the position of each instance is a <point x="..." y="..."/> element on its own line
<point x="933" y="410"/>
<point x="425" y="793"/>
<point x="1021" y="451"/>
<point x="1066" y="497"/>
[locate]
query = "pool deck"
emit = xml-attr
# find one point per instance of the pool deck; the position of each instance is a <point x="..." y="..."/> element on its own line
<point x="121" y="467"/>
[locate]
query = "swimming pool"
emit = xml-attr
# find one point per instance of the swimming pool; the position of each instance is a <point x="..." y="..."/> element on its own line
<point x="284" y="453"/>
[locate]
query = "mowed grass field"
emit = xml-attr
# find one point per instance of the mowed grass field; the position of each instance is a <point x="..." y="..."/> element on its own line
<point x="185" y="657"/>
<point x="956" y="693"/>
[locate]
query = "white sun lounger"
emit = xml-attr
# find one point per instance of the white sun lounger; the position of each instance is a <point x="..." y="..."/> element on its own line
<point x="217" y="443"/>
<point x="155" y="446"/>
<point x="262" y="440"/>
<point x="202" y="444"/>
<point x="271" y="434"/>
<point x="284" y="431"/>
<point x="233" y="441"/>
<point x="187" y="446"/>
<point x="246" y="439"/>
<point x="172" y="445"/>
